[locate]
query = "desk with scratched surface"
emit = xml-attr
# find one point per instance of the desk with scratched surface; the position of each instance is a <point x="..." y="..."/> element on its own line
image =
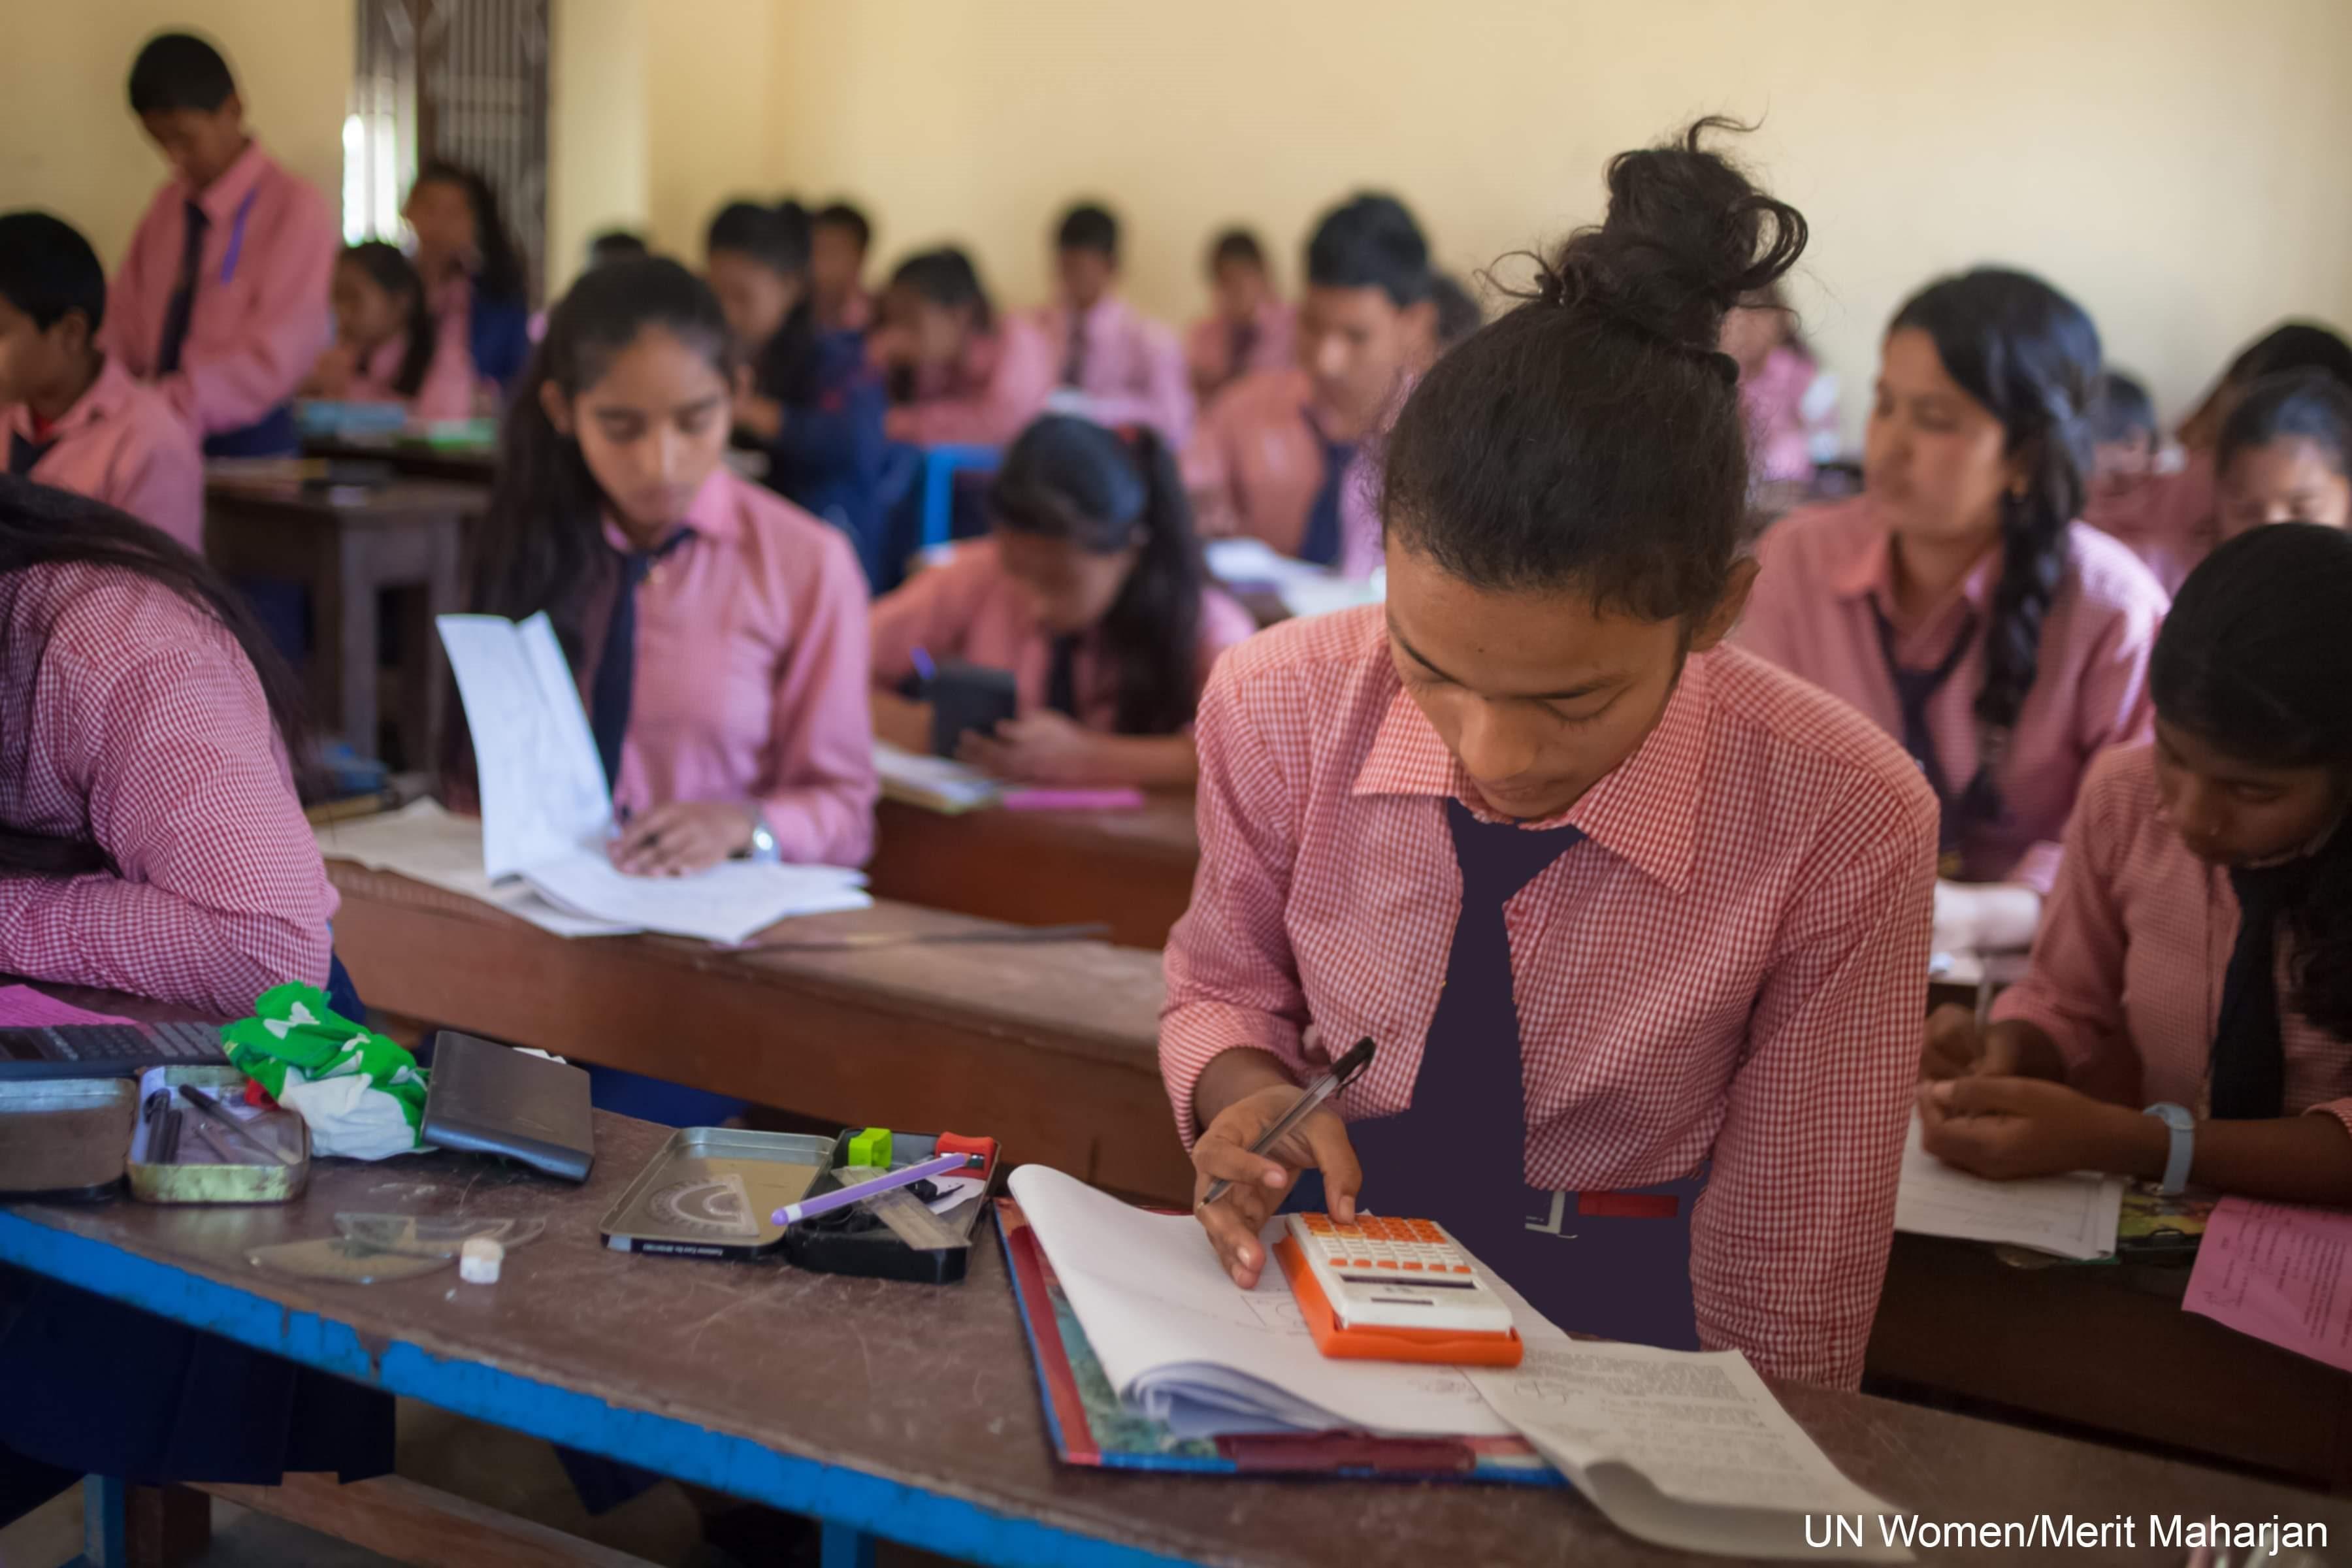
<point x="1132" y="870"/>
<point x="910" y="1411"/>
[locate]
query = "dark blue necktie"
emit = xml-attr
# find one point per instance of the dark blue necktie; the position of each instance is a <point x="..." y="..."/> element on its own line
<point x="1242" y="342"/>
<point x="182" y="308"/>
<point x="1914" y="690"/>
<point x="2249" y="1043"/>
<point x="1062" y="683"/>
<point x="1074" y="355"/>
<point x="1321" y="545"/>
<point x="616" y="666"/>
<point x="23" y="452"/>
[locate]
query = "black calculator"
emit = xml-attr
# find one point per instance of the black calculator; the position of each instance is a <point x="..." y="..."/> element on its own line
<point x="107" y="1050"/>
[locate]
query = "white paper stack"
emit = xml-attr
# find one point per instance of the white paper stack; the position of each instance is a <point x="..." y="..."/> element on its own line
<point x="935" y="784"/>
<point x="2072" y="1217"/>
<point x="1304" y="588"/>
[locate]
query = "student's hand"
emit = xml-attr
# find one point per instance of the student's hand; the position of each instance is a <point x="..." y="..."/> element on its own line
<point x="2008" y="1127"/>
<point x="761" y="418"/>
<point x="1262" y="1181"/>
<point x="1044" y="747"/>
<point x="684" y="837"/>
<point x="887" y="348"/>
<point x="1956" y="1048"/>
<point x="901" y="424"/>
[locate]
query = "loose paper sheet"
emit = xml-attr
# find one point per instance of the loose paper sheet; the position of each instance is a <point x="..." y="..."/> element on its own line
<point x="2280" y="1272"/>
<point x="2074" y="1216"/>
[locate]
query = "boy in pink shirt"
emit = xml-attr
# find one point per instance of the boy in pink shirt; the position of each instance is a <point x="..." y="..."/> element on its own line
<point x="1122" y="367"/>
<point x="2195" y="953"/>
<point x="1275" y="456"/>
<point x="1252" y="328"/>
<point x="960" y="373"/>
<point x="75" y="418"/>
<point x="221" y="299"/>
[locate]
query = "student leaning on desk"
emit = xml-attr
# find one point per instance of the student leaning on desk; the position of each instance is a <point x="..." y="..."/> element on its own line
<point x="1613" y="899"/>
<point x="2197" y="951"/>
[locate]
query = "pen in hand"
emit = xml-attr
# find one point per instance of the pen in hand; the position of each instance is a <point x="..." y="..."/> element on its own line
<point x="1340" y="1074"/>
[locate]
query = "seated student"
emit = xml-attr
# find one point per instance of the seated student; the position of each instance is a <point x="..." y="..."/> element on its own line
<point x="718" y="632"/>
<point x="1127" y="368"/>
<point x="959" y="372"/>
<point x="1791" y="402"/>
<point x="74" y="417"/>
<point x="2126" y="441"/>
<point x="1250" y="327"/>
<point x="814" y="406"/>
<point x="838" y="235"/>
<point x="616" y="245"/>
<point x="2286" y="455"/>
<point x="1472" y="825"/>
<point x="2198" y="950"/>
<point x="388" y="348"/>
<point x="1275" y="455"/>
<point x="1093" y="592"/>
<point x="2167" y="520"/>
<point x="472" y="271"/>
<point x="222" y="296"/>
<point x="1956" y="602"/>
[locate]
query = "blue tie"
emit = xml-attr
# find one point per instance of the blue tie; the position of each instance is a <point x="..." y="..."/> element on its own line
<point x="1914" y="690"/>
<point x="181" y="310"/>
<point x="23" y="452"/>
<point x="1321" y="545"/>
<point x="614" y="691"/>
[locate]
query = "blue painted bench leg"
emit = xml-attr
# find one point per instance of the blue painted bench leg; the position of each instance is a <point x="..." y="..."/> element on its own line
<point x="842" y="1547"/>
<point x="105" y="1528"/>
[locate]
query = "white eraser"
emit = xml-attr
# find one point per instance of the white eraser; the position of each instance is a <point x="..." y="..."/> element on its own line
<point x="479" y="1260"/>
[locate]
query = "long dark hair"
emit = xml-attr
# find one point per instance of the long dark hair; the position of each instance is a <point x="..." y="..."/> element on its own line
<point x="946" y="278"/>
<point x="541" y="545"/>
<point x="1069" y="479"/>
<point x="1592" y="437"/>
<point x="41" y="527"/>
<point x="2029" y="357"/>
<point x="777" y="239"/>
<point x="499" y="277"/>
<point x="2256" y="660"/>
<point x="391" y="272"/>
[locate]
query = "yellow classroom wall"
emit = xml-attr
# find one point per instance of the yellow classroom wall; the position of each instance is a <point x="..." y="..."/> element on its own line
<point x="598" y="158"/>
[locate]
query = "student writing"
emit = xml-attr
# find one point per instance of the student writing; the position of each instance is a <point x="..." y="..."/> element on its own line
<point x="1472" y="825"/>
<point x="1092" y="591"/>
<point x="959" y="372"/>
<point x="2198" y="951"/>
<point x="388" y="347"/>
<point x="1275" y="456"/>
<point x="472" y="271"/>
<point x="221" y="299"/>
<point x="2286" y="455"/>
<point x="1957" y="604"/>
<point x="1127" y="368"/>
<point x="74" y="417"/>
<point x="1249" y="327"/>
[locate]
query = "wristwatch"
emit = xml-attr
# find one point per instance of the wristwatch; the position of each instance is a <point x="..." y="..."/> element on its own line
<point x="2183" y="1124"/>
<point x="764" y="844"/>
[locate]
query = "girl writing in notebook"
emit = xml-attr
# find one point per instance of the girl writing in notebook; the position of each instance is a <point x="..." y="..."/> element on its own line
<point x="1614" y="901"/>
<point x="2198" y="953"/>
<point x="2286" y="455"/>
<point x="1092" y="591"/>
<point x="387" y="343"/>
<point x="1958" y="605"/>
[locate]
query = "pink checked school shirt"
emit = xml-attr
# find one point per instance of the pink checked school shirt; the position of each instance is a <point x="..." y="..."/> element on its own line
<point x="261" y="316"/>
<point x="2169" y="521"/>
<point x="1255" y="465"/>
<point x="970" y="607"/>
<point x="1733" y="966"/>
<point x="123" y="444"/>
<point x="1826" y="569"/>
<point x="135" y="721"/>
<point x="751" y="675"/>
<point x="2128" y="969"/>
<point x="1132" y="370"/>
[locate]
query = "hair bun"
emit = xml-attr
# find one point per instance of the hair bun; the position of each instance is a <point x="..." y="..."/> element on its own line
<point x="1686" y="236"/>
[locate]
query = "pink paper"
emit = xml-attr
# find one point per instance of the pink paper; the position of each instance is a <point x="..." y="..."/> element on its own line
<point x="1073" y="800"/>
<point x="22" y="1007"/>
<point x="2280" y="1272"/>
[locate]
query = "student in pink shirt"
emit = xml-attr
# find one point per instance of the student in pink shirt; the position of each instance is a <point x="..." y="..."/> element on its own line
<point x="959" y="372"/>
<point x="1251" y="327"/>
<point x="1120" y="366"/>
<point x="388" y="347"/>
<point x="1275" y="456"/>
<point x="1782" y="386"/>
<point x="1619" y="907"/>
<point x="839" y="236"/>
<point x="74" y="417"/>
<point x="2286" y="455"/>
<point x="222" y="296"/>
<point x="2197" y="953"/>
<point x="1092" y="592"/>
<point x="472" y="271"/>
<point x="1957" y="603"/>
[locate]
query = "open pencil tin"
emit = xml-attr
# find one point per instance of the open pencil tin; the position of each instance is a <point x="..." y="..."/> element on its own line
<point x="85" y="1137"/>
<point x="873" y="1251"/>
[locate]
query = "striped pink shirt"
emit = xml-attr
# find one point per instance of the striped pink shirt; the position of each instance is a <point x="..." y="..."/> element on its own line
<point x="1133" y="371"/>
<point x="1827" y="569"/>
<point x="1255" y="465"/>
<point x="1000" y="384"/>
<point x="132" y="720"/>
<point x="1208" y="346"/>
<point x="752" y="684"/>
<point x="261" y="315"/>
<point x="1777" y="847"/>
<point x="2167" y="520"/>
<point x="123" y="444"/>
<point x="970" y="607"/>
<point x="2126" y="972"/>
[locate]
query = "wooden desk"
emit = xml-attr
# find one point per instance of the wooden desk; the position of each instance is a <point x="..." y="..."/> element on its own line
<point x="347" y="546"/>
<point x="1050" y="1048"/>
<point x="2107" y="1348"/>
<point x="1131" y="869"/>
<point x="911" y="1411"/>
<point x="453" y="465"/>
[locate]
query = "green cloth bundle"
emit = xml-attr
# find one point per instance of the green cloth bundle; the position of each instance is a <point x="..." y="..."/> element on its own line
<point x="362" y="1096"/>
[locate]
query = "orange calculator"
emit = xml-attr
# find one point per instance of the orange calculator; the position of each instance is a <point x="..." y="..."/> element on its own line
<point x="1395" y="1289"/>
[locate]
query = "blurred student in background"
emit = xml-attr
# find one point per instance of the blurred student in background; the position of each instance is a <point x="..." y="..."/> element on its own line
<point x="2286" y="455"/>
<point x="1249" y="327"/>
<point x="837" y="245"/>
<point x="388" y="347"/>
<point x="1790" y="400"/>
<point x="472" y="271"/>
<point x="2127" y="443"/>
<point x="1122" y="367"/>
<point x="959" y="371"/>
<point x="75" y="418"/>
